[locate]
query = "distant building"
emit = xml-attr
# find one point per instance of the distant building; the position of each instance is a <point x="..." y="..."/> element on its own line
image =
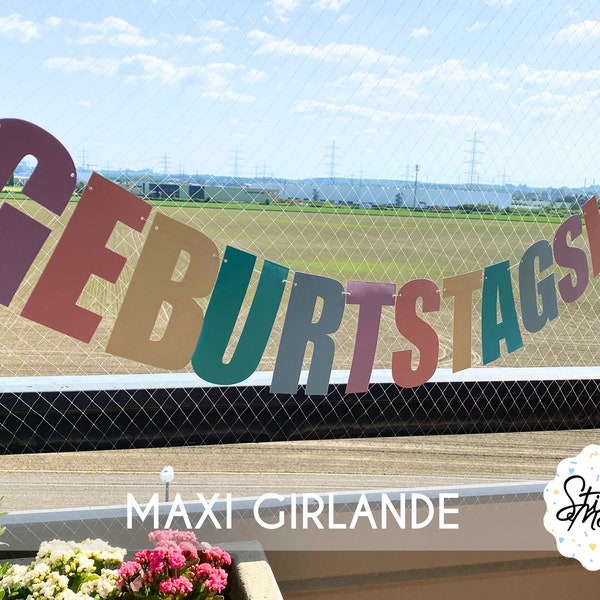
<point x="245" y="195"/>
<point x="369" y="194"/>
<point x="454" y="197"/>
<point x="350" y="193"/>
<point x="197" y="192"/>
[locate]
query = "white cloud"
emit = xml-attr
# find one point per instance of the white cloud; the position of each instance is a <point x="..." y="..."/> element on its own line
<point x="579" y="32"/>
<point x="554" y="78"/>
<point x="571" y="10"/>
<point x="453" y="70"/>
<point x="330" y="4"/>
<point x="216" y="26"/>
<point x="15" y="27"/>
<point x="214" y="74"/>
<point x="129" y="39"/>
<point x="477" y="26"/>
<point x="255" y="76"/>
<point x="212" y="47"/>
<point x="420" y="32"/>
<point x="53" y="22"/>
<point x="370" y="84"/>
<point x="281" y="8"/>
<point x="214" y="78"/>
<point x="503" y="3"/>
<point x="414" y="84"/>
<point x="330" y="108"/>
<point x="186" y="39"/>
<point x="334" y="52"/>
<point x="498" y="86"/>
<point x="115" y="32"/>
<point x="97" y="66"/>
<point x="345" y="19"/>
<point x="228" y="95"/>
<point x="203" y="43"/>
<point x="151" y="68"/>
<point x="547" y="104"/>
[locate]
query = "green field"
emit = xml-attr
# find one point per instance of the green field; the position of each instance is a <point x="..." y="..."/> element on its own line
<point x="550" y="214"/>
<point x="540" y="215"/>
<point x="345" y="245"/>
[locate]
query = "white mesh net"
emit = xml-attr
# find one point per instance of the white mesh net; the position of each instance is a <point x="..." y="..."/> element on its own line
<point x="373" y="141"/>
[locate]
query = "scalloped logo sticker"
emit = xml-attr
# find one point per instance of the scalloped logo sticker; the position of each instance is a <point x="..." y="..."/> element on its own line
<point x="573" y="507"/>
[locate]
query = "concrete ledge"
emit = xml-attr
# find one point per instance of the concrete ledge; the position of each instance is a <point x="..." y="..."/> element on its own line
<point x="251" y="574"/>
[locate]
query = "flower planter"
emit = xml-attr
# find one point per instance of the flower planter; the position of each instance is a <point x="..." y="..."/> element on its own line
<point x="178" y="566"/>
<point x="251" y="576"/>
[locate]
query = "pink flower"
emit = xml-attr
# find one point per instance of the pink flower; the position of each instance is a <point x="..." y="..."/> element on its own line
<point x="214" y="578"/>
<point x="130" y="576"/>
<point x="185" y="536"/>
<point x="143" y="557"/>
<point x="129" y="569"/>
<point x="175" y="565"/>
<point x="176" y="558"/>
<point x="189" y="550"/>
<point x="175" y="586"/>
<point x="217" y="580"/>
<point x="157" y="559"/>
<point x="217" y="556"/>
<point x="201" y="571"/>
<point x="160" y="536"/>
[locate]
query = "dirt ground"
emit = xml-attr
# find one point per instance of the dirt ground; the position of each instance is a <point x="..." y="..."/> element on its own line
<point x="82" y="479"/>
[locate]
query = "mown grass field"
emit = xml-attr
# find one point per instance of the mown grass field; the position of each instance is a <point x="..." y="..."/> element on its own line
<point x="346" y="246"/>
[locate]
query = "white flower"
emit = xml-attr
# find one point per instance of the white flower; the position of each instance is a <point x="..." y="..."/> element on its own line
<point x="71" y="595"/>
<point x="14" y="576"/>
<point x="58" y="563"/>
<point x="85" y="564"/>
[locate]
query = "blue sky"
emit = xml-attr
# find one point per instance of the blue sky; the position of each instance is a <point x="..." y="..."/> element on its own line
<point x="390" y="83"/>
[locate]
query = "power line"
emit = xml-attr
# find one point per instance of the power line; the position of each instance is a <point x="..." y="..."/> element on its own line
<point x="472" y="162"/>
<point x="332" y="162"/>
<point x="83" y="159"/>
<point x="235" y="163"/>
<point x="166" y="163"/>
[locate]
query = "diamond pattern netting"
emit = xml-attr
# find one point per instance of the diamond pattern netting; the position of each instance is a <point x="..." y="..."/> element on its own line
<point x="346" y="244"/>
<point x="391" y="245"/>
<point x="177" y="416"/>
<point x="348" y="208"/>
